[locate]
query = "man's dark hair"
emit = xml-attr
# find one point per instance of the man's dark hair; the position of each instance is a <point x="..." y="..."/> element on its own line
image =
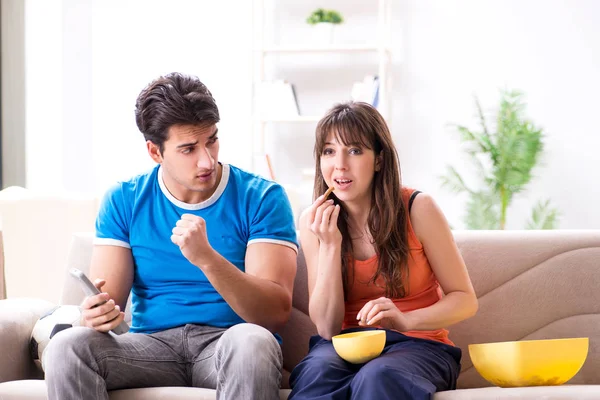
<point x="173" y="99"/>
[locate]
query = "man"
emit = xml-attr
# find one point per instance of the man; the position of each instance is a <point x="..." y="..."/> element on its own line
<point x="207" y="251"/>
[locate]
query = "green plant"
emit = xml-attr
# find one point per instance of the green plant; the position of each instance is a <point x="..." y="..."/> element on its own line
<point x="321" y="15"/>
<point x="503" y="160"/>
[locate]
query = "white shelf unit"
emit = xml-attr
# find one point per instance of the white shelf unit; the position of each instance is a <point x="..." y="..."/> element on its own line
<point x="264" y="48"/>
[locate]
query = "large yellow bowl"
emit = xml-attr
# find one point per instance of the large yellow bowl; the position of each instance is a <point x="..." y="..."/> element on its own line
<point x="359" y="347"/>
<point x="529" y="362"/>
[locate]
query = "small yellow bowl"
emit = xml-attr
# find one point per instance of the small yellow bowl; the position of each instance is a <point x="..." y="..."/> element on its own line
<point x="359" y="347"/>
<point x="529" y="362"/>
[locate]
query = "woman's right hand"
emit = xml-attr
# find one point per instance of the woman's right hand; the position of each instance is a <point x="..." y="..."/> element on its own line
<point x="101" y="317"/>
<point x="322" y="221"/>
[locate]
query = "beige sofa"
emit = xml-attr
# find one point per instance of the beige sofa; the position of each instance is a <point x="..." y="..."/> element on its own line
<point x="44" y="221"/>
<point x="530" y="285"/>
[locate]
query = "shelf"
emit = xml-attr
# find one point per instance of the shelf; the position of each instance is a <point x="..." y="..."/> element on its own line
<point x="299" y="118"/>
<point x="269" y="49"/>
<point x="323" y="49"/>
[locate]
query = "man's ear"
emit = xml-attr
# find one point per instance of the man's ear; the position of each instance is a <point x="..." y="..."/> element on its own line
<point x="154" y="151"/>
<point x="378" y="161"/>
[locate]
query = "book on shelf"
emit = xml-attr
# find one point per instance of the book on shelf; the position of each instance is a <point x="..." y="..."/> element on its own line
<point x="277" y="99"/>
<point x="367" y="90"/>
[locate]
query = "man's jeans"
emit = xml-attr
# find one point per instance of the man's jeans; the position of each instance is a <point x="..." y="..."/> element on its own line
<point x="242" y="362"/>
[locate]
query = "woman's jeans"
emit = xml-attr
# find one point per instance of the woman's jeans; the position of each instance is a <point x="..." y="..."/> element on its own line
<point x="408" y="368"/>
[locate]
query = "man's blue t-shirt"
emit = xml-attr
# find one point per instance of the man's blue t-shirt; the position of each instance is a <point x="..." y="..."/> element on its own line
<point x="168" y="290"/>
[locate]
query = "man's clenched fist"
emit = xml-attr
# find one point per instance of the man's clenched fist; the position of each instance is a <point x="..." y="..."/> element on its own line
<point x="190" y="235"/>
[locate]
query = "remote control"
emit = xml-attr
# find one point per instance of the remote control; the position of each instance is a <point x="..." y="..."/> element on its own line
<point x="90" y="290"/>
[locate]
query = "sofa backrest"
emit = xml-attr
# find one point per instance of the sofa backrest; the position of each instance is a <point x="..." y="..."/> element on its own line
<point x="530" y="285"/>
<point x="37" y="228"/>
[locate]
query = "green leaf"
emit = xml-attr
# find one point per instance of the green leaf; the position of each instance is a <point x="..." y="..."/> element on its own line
<point x="473" y="138"/>
<point x="504" y="160"/>
<point x="476" y="159"/>
<point x="453" y="181"/>
<point x="543" y="216"/>
<point x="321" y="15"/>
<point x="483" y="211"/>
<point x="519" y="144"/>
<point x="486" y="131"/>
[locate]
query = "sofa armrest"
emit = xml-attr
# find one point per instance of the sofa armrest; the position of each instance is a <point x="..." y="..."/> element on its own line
<point x="17" y="319"/>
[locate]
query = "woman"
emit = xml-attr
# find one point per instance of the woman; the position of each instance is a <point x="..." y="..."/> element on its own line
<point x="379" y="256"/>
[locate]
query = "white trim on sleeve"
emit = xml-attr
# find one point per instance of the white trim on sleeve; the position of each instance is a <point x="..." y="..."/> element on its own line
<point x="111" y="242"/>
<point x="291" y="245"/>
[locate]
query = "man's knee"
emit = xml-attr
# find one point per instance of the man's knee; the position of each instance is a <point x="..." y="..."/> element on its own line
<point x="65" y="345"/>
<point x="250" y="347"/>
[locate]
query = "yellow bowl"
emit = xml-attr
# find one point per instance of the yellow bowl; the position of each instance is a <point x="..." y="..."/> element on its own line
<point x="359" y="347"/>
<point x="529" y="362"/>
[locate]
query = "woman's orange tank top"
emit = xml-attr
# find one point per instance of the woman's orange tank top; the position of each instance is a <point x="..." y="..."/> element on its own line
<point x="423" y="288"/>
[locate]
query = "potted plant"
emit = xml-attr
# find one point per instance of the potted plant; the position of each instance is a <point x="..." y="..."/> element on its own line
<point x="504" y="161"/>
<point x="323" y="22"/>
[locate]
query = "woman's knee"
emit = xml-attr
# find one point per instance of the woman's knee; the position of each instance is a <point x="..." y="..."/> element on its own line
<point x="322" y="361"/>
<point x="375" y="370"/>
<point x="324" y="354"/>
<point x="388" y="381"/>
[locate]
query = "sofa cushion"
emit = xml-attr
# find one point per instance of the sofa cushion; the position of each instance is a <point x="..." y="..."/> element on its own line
<point x="36" y="390"/>
<point x="564" y="392"/>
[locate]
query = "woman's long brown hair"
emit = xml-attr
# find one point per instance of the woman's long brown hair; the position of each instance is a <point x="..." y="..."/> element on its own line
<point x="360" y="123"/>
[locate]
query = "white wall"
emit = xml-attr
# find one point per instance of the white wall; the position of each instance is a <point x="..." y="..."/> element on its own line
<point x="548" y="49"/>
<point x="136" y="41"/>
<point x="86" y="62"/>
<point x="444" y="52"/>
<point x="44" y="133"/>
<point x="78" y="96"/>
